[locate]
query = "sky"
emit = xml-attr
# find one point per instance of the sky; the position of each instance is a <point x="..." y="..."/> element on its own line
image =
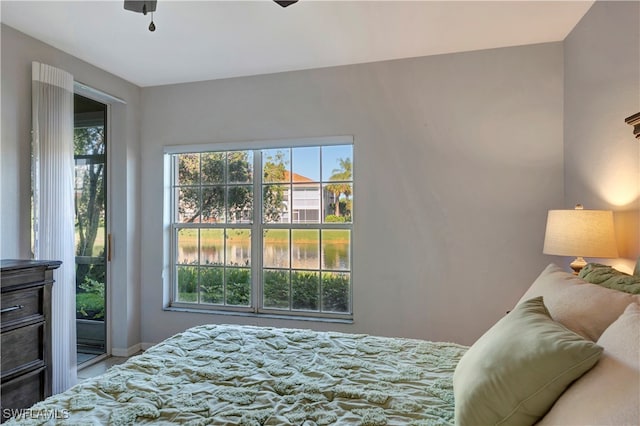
<point x="306" y="160"/>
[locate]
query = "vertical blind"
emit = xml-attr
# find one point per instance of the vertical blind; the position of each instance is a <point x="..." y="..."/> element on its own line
<point x="53" y="207"/>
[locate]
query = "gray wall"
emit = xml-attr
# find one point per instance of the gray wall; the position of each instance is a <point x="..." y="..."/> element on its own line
<point x="18" y="51"/>
<point x="457" y="160"/>
<point x="602" y="87"/>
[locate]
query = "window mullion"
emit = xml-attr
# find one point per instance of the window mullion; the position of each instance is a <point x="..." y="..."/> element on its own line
<point x="320" y="271"/>
<point x="173" y="237"/>
<point x="256" y="234"/>
<point x="198" y="292"/>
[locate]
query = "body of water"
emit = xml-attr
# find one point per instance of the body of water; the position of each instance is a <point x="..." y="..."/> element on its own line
<point x="334" y="256"/>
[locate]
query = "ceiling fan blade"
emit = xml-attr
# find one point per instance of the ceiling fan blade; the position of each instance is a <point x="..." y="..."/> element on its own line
<point x="285" y="3"/>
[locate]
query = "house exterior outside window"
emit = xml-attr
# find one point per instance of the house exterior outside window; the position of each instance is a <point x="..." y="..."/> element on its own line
<point x="305" y="198"/>
<point x="262" y="230"/>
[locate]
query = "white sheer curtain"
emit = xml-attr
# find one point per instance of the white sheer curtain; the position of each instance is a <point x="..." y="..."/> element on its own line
<point x="53" y="208"/>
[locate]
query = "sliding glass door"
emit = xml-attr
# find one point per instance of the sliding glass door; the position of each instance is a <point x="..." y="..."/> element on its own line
<point x="90" y="154"/>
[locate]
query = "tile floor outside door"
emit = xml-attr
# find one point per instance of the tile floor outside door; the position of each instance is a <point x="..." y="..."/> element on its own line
<point x="100" y="367"/>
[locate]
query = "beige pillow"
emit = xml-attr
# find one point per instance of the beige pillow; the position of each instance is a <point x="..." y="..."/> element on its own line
<point x="587" y="309"/>
<point x="609" y="394"/>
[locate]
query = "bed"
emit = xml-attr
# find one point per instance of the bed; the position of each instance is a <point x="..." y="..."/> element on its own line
<point x="245" y="375"/>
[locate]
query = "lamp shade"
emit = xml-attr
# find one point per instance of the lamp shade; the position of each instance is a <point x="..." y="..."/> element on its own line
<point x="584" y="233"/>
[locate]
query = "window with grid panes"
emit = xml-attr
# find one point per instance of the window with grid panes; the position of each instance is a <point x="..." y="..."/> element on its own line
<point x="263" y="230"/>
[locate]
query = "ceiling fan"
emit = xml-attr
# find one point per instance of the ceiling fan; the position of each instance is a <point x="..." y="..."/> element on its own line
<point x="149" y="6"/>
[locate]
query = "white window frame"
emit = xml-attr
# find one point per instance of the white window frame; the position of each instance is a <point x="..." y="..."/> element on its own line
<point x="256" y="305"/>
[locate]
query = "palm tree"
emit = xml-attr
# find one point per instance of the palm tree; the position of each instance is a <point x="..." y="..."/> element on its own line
<point x="344" y="174"/>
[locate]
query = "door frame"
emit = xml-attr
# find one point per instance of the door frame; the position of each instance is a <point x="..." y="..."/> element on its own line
<point x="107" y="100"/>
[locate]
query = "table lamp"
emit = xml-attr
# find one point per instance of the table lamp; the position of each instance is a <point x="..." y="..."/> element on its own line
<point x="581" y="233"/>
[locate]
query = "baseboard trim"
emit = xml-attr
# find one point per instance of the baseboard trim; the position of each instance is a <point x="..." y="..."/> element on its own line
<point x="146" y="345"/>
<point x="132" y="350"/>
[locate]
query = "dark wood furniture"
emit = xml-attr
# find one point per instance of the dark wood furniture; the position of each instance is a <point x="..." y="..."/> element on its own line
<point x="25" y="327"/>
<point x="634" y="120"/>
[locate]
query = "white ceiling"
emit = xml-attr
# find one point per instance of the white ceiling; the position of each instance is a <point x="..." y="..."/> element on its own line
<point x="204" y="40"/>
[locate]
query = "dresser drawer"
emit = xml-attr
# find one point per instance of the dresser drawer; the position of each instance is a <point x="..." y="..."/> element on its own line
<point x="22" y="350"/>
<point x="23" y="392"/>
<point x="22" y="277"/>
<point x="21" y="305"/>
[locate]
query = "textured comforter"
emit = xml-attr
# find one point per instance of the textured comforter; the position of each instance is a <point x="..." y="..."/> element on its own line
<point x="240" y="375"/>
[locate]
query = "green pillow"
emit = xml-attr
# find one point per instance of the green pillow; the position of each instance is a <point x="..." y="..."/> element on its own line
<point x="608" y="277"/>
<point x="515" y="372"/>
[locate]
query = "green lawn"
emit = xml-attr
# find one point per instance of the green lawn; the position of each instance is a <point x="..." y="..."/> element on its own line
<point x="98" y="245"/>
<point x="277" y="236"/>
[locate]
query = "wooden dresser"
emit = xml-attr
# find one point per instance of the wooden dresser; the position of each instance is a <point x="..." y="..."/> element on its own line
<point x="25" y="324"/>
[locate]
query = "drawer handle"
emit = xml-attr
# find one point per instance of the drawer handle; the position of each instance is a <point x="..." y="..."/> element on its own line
<point x="11" y="308"/>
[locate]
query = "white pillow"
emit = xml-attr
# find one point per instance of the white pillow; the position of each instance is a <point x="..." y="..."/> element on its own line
<point x="609" y="394"/>
<point x="584" y="308"/>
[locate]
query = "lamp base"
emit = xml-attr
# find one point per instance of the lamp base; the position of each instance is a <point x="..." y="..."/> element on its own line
<point x="577" y="264"/>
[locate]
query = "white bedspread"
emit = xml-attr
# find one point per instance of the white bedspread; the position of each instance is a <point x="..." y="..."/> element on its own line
<point x="240" y="375"/>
